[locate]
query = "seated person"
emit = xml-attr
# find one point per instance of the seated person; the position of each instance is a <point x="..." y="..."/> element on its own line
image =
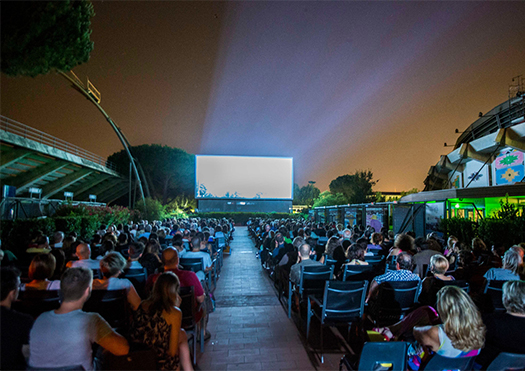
<point x="432" y="284"/>
<point x="39" y="245"/>
<point x="196" y="245"/>
<point x="376" y="240"/>
<point x="403" y="272"/>
<point x="83" y="253"/>
<point x="135" y="251"/>
<point x="64" y="337"/>
<point x="157" y="323"/>
<point x="170" y="258"/>
<point x="505" y="330"/>
<point x="511" y="265"/>
<point x="40" y="271"/>
<point x="356" y="255"/>
<point x="303" y="260"/>
<point x="14" y="326"/>
<point x="402" y="243"/>
<point x="456" y="330"/>
<point x="111" y="266"/>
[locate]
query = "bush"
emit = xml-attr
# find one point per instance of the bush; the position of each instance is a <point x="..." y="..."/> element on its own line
<point x="464" y="229"/>
<point x="153" y="210"/>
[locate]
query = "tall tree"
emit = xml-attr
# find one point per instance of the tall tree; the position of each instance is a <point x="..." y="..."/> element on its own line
<point x="356" y="188"/>
<point x="305" y="195"/>
<point x="40" y="36"/>
<point x="327" y="198"/>
<point x="170" y="171"/>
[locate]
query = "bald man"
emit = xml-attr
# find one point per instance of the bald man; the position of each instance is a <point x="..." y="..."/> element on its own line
<point x="83" y="254"/>
<point x="302" y="260"/>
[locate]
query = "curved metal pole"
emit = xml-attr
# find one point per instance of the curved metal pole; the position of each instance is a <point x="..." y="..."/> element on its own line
<point x="121" y="137"/>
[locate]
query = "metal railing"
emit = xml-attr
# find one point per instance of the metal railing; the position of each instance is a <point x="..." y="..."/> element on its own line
<point x="27" y="132"/>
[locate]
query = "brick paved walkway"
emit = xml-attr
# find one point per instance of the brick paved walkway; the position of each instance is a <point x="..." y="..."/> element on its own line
<point x="250" y="329"/>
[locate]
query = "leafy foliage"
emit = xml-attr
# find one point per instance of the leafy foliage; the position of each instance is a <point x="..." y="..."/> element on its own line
<point x="170" y="172"/>
<point x="181" y="206"/>
<point x="505" y="227"/>
<point x="153" y="210"/>
<point x="305" y="195"/>
<point x="356" y="188"/>
<point x="40" y="36"/>
<point x="327" y="198"/>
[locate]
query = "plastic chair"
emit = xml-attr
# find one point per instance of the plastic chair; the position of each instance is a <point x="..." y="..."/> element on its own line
<point x="384" y="356"/>
<point x="312" y="281"/>
<point x="508" y="362"/>
<point x="112" y="305"/>
<point x="439" y="363"/>
<point x="36" y="302"/>
<point x="494" y="289"/>
<point x="342" y="302"/>
<point x="189" y="309"/>
<point x="394" y="299"/>
<point x="462" y="284"/>
<point x="138" y="277"/>
<point x="355" y="270"/>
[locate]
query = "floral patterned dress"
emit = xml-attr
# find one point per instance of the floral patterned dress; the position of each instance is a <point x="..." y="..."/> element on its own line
<point x="153" y="330"/>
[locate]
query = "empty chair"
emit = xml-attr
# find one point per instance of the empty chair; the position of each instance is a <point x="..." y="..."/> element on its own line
<point x="384" y="356"/>
<point x="342" y="303"/>
<point x="494" y="289"/>
<point x="312" y="282"/>
<point x="439" y="363"/>
<point x="508" y="362"/>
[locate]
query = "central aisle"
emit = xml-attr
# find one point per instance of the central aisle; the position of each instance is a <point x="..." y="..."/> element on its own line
<point x="249" y="328"/>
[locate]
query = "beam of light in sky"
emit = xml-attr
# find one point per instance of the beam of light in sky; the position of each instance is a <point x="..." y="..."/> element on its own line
<point x="303" y="79"/>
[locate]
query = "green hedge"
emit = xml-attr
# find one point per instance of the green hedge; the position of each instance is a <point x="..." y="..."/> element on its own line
<point x="492" y="230"/>
<point x="242" y="217"/>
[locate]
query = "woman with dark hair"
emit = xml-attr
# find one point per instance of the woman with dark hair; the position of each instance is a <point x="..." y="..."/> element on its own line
<point x="40" y="271"/>
<point x="151" y="259"/>
<point x="157" y="323"/>
<point x="356" y="255"/>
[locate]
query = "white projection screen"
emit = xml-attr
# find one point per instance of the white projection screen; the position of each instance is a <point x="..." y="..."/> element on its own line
<point x="242" y="177"/>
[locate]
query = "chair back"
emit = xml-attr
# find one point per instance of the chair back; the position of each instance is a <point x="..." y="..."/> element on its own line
<point x="394" y="299"/>
<point x="138" y="277"/>
<point x="494" y="289"/>
<point x="353" y="270"/>
<point x="462" y="284"/>
<point x="313" y="278"/>
<point x="374" y="260"/>
<point x="329" y="262"/>
<point x="439" y="363"/>
<point x="508" y="362"/>
<point x="188" y="307"/>
<point x="192" y="264"/>
<point x="344" y="301"/>
<point x="112" y="305"/>
<point x="220" y="241"/>
<point x="36" y="302"/>
<point x="383" y="356"/>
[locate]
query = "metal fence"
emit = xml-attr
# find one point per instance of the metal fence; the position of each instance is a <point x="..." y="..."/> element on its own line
<point x="15" y="127"/>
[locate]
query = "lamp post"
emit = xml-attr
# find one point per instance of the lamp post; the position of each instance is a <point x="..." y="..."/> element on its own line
<point x="93" y="95"/>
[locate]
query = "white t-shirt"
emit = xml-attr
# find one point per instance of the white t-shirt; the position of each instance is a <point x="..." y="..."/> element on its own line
<point x="112" y="283"/>
<point x="61" y="340"/>
<point x="86" y="263"/>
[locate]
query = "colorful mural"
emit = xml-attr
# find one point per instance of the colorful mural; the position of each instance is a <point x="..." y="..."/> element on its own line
<point x="508" y="167"/>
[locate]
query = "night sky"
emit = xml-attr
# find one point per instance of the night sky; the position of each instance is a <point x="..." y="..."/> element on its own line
<point x="338" y="86"/>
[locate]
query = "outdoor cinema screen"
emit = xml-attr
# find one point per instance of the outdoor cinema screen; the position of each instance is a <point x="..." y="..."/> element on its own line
<point x="244" y="177"/>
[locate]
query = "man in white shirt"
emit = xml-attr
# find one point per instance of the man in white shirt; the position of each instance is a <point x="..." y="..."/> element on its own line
<point x="58" y="239"/>
<point x="196" y="245"/>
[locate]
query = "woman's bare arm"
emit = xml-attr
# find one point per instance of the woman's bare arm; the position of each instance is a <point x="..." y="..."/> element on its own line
<point x="427" y="336"/>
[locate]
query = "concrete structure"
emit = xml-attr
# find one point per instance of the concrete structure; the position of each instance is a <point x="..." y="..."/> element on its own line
<point x="32" y="160"/>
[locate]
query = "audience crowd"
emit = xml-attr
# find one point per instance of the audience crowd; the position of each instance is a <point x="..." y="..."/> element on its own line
<point x="453" y="314"/>
<point x="143" y="262"/>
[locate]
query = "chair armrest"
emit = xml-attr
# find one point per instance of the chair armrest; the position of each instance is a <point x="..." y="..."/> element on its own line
<point x="316" y="300"/>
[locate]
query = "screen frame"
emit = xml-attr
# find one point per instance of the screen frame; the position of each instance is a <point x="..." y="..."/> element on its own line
<point x="242" y="198"/>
